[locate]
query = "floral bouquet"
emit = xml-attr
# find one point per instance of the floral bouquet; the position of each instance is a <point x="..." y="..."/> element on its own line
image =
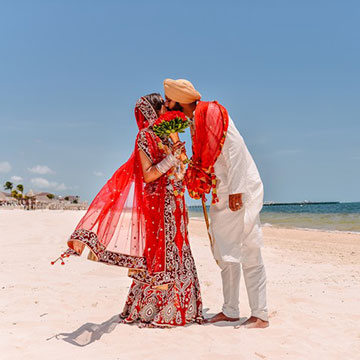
<point x="170" y="125"/>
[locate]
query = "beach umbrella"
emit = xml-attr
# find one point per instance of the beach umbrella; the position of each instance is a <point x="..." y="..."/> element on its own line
<point x="30" y="193"/>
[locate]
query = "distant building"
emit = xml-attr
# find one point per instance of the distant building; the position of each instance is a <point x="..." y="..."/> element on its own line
<point x="41" y="200"/>
<point x="72" y="198"/>
<point x="7" y="199"/>
<point x="42" y="197"/>
<point x="2" y="197"/>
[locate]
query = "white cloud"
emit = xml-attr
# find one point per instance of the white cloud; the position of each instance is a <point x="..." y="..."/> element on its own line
<point x="41" y="169"/>
<point x="42" y="183"/>
<point x="61" y="187"/>
<point x="16" y="178"/>
<point x="98" y="173"/>
<point x="5" y="167"/>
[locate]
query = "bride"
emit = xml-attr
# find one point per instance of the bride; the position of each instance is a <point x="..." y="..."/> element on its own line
<point x="136" y="221"/>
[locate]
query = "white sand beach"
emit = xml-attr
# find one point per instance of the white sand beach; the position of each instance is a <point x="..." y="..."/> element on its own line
<point x="68" y="312"/>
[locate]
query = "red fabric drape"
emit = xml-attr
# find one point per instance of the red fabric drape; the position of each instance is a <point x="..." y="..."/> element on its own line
<point x="211" y="122"/>
<point x="119" y="223"/>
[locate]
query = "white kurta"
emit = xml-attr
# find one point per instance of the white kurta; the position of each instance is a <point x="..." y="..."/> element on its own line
<point x="236" y="173"/>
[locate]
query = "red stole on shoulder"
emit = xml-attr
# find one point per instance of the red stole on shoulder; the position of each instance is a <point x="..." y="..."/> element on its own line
<point x="211" y="122"/>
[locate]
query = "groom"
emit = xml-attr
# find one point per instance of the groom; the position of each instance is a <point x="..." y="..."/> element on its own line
<point x="235" y="224"/>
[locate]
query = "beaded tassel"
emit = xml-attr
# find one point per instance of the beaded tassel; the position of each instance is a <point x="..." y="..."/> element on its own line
<point x="64" y="255"/>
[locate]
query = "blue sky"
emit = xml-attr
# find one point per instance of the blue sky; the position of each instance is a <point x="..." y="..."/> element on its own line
<point x="287" y="71"/>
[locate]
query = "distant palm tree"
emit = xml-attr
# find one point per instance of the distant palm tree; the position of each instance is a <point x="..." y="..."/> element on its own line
<point x="17" y="195"/>
<point x="8" y="185"/>
<point x="20" y="195"/>
<point x="50" y="196"/>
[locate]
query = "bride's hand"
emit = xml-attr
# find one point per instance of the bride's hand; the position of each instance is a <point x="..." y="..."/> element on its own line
<point x="178" y="149"/>
<point x="180" y="173"/>
<point x="167" y="150"/>
<point x="180" y="145"/>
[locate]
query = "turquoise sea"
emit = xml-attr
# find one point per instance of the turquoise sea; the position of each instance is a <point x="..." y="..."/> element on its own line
<point x="322" y="216"/>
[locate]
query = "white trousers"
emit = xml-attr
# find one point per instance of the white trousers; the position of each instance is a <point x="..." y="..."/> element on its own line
<point x="255" y="281"/>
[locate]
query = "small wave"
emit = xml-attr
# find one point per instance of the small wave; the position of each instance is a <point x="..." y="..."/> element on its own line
<point x="311" y="229"/>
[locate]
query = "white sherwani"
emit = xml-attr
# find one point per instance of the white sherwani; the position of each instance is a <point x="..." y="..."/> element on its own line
<point x="236" y="173"/>
<point x="237" y="235"/>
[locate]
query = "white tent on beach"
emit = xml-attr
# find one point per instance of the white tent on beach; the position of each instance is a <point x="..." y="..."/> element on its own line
<point x="30" y="193"/>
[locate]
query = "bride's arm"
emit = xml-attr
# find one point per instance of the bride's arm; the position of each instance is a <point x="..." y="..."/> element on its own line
<point x="150" y="172"/>
<point x="153" y="172"/>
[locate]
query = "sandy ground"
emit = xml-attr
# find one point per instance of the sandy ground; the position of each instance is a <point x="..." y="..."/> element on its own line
<point x="70" y="311"/>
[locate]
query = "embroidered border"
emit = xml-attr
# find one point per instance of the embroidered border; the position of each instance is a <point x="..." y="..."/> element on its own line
<point x="142" y="143"/>
<point x="147" y="110"/>
<point x="90" y="239"/>
<point x="178" y="304"/>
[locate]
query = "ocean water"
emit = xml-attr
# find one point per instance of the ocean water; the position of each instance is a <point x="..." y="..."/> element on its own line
<point x="331" y="217"/>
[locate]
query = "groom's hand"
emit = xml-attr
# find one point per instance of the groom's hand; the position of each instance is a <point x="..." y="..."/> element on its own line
<point x="178" y="148"/>
<point x="235" y="202"/>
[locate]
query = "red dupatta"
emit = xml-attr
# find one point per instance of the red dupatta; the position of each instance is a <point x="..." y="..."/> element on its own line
<point x="211" y="122"/>
<point x="114" y="227"/>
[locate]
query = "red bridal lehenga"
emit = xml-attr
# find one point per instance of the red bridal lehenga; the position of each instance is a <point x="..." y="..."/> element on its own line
<point x="144" y="227"/>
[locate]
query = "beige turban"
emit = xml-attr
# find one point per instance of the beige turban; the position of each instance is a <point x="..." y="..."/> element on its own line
<point x="181" y="91"/>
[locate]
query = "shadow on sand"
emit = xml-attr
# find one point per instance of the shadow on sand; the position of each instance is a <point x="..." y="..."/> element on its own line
<point x="89" y="332"/>
<point x="208" y="315"/>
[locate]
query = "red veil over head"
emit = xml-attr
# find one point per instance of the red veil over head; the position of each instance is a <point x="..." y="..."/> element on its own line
<point x="211" y="122"/>
<point x="113" y="227"/>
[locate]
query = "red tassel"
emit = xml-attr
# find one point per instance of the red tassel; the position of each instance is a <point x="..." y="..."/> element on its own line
<point x="65" y="254"/>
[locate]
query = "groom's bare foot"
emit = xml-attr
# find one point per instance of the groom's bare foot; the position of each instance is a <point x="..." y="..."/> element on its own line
<point x="220" y="317"/>
<point x="255" y="323"/>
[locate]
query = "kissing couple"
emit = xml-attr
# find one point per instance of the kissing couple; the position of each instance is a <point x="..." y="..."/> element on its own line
<point x="139" y="219"/>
